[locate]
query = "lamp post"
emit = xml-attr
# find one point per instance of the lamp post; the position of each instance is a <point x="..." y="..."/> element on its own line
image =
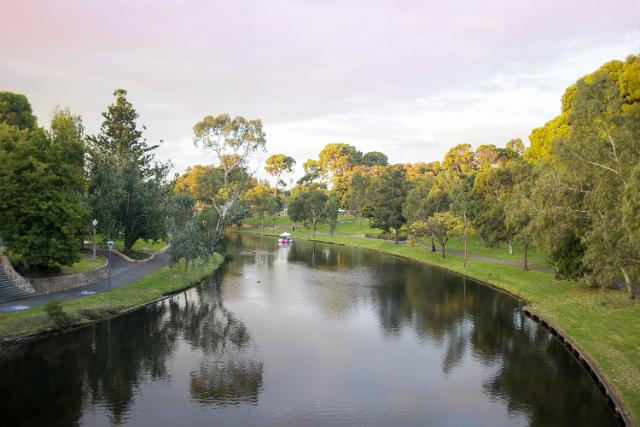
<point x="110" y="244"/>
<point x="94" y="222"/>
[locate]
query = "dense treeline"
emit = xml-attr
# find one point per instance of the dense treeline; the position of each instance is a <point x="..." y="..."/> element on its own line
<point x="575" y="191"/>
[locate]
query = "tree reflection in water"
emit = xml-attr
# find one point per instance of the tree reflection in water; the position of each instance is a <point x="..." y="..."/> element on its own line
<point x="106" y="365"/>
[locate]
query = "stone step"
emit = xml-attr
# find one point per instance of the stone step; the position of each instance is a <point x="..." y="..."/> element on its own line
<point x="8" y="291"/>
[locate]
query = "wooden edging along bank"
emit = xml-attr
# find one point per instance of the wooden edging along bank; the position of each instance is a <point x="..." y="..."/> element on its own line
<point x="612" y="396"/>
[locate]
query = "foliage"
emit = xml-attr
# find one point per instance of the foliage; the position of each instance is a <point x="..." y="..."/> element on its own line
<point x="126" y="190"/>
<point x="331" y="214"/>
<point x="57" y="315"/>
<point x="232" y="142"/>
<point x="309" y="207"/>
<point x="588" y="179"/>
<point x="262" y="201"/>
<point x="460" y="159"/>
<point x="386" y="196"/>
<point x="276" y="165"/>
<point x="15" y="110"/>
<point x="357" y="194"/>
<point x="187" y="245"/>
<point x="42" y="191"/>
<point x="441" y="225"/>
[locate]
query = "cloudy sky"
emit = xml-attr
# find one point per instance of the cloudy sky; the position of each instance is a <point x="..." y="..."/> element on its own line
<point x="409" y="78"/>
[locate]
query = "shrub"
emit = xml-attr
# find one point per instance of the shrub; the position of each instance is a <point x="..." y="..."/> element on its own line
<point x="56" y="314"/>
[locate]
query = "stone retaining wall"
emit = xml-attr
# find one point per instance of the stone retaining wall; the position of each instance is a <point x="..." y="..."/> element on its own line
<point x="140" y="261"/>
<point x="49" y="285"/>
<point x="14" y="276"/>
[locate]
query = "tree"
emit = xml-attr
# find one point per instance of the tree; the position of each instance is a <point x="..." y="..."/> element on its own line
<point x="589" y="174"/>
<point x="460" y="159"/>
<point x="519" y="213"/>
<point x="357" y="195"/>
<point x="424" y="199"/>
<point x="331" y="213"/>
<point x="126" y="190"/>
<point x="187" y="245"/>
<point x="463" y="206"/>
<point x="262" y="201"/>
<point x="442" y="225"/>
<point x="492" y="188"/>
<point x="335" y="162"/>
<point x="386" y="196"/>
<point x="309" y="207"/>
<point x="42" y="191"/>
<point x="374" y="158"/>
<point x="232" y="142"/>
<point x="276" y="165"/>
<point x="15" y="110"/>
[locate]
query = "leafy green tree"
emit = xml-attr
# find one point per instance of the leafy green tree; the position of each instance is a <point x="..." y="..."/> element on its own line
<point x="589" y="177"/>
<point x="262" y="201"/>
<point x="460" y="159"/>
<point x="15" y="110"/>
<point x="386" y="195"/>
<point x="335" y="162"/>
<point x="276" y="165"/>
<point x="442" y="225"/>
<point x="375" y="158"/>
<point x="312" y="172"/>
<point x="357" y="195"/>
<point x="186" y="244"/>
<point x="423" y="200"/>
<point x="519" y="214"/>
<point x="232" y="142"/>
<point x="492" y="188"/>
<point x="42" y="191"/>
<point x="309" y="207"/>
<point x="331" y="213"/>
<point x="126" y="192"/>
<point x="463" y="205"/>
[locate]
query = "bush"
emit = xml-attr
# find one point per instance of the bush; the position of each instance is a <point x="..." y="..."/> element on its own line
<point x="56" y="314"/>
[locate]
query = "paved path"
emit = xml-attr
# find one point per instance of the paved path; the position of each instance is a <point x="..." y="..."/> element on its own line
<point x="122" y="274"/>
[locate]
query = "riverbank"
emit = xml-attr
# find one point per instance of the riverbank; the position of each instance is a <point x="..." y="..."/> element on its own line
<point x="153" y="287"/>
<point x="601" y="323"/>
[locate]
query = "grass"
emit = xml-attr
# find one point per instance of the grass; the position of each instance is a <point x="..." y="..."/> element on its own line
<point x="603" y="323"/>
<point x="85" y="264"/>
<point x="163" y="282"/>
<point x="140" y="245"/>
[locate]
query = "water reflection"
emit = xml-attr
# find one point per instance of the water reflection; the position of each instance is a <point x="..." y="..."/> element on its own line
<point x="105" y="366"/>
<point x="307" y="334"/>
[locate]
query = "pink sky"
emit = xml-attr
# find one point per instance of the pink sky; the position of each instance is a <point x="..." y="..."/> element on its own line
<point x="410" y="78"/>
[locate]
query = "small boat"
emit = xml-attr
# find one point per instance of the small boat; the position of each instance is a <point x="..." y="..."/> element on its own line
<point x="285" y="238"/>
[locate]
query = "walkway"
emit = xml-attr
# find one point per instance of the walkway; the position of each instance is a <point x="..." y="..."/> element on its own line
<point x="122" y="274"/>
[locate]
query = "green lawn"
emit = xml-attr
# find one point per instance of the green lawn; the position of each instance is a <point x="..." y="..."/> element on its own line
<point x="352" y="226"/>
<point x="603" y="323"/>
<point x="140" y="245"/>
<point x="85" y="264"/>
<point x="165" y="281"/>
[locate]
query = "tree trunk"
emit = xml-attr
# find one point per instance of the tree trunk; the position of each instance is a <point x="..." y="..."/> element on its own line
<point x="395" y="235"/>
<point x="525" y="260"/>
<point x="510" y="248"/>
<point x="627" y="281"/>
<point x="216" y="235"/>
<point x="443" y="250"/>
<point x="465" y="251"/>
<point x="433" y="245"/>
<point x="262" y="224"/>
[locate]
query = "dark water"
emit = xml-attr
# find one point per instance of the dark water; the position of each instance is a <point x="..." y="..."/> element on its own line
<point x="307" y="335"/>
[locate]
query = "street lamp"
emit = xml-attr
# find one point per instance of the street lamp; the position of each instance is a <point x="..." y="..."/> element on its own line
<point x="94" y="222"/>
<point x="110" y="244"/>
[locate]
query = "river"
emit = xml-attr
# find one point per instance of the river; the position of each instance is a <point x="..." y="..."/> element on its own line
<point x="308" y="334"/>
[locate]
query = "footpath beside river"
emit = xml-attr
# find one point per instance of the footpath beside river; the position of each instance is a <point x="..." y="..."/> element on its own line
<point x="601" y="322"/>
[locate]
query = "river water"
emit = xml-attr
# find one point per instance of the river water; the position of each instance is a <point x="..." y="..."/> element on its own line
<point x="307" y="335"/>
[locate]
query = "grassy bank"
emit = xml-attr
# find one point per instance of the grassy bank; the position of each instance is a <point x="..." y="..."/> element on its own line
<point x="165" y="281"/>
<point x="350" y="225"/>
<point x="603" y="323"/>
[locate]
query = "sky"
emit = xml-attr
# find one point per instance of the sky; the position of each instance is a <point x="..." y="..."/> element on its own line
<point x="408" y="78"/>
